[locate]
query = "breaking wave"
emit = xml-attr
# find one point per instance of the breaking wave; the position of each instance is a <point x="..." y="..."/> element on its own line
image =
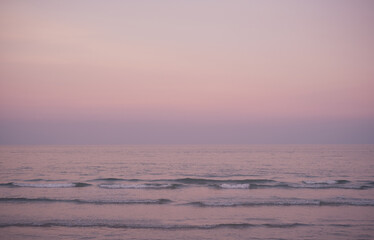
<point x="235" y="186"/>
<point x="327" y="182"/>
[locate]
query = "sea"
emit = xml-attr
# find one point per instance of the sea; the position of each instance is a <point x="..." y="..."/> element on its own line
<point x="187" y="192"/>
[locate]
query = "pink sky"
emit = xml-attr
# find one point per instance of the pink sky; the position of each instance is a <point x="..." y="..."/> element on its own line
<point x="186" y="72"/>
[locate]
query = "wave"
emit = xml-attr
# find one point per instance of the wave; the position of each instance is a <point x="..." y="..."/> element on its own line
<point x="219" y="175"/>
<point x="319" y="184"/>
<point x="44" y="180"/>
<point x="328" y="182"/>
<point x="111" y="224"/>
<point x="89" y="223"/>
<point x="116" y="179"/>
<point x="234" y="186"/>
<point x="47" y="185"/>
<point x="121" y="183"/>
<point x="217" y="203"/>
<point x="311" y="185"/>
<point x="204" y="181"/>
<point x="81" y="201"/>
<point x="263" y="183"/>
<point x="140" y="186"/>
<point x="349" y="202"/>
<point x="329" y="185"/>
<point x="195" y="181"/>
<point x="10" y="184"/>
<point x="181" y="182"/>
<point x="286" y="202"/>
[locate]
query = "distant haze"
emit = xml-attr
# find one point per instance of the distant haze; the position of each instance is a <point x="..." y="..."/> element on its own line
<point x="186" y="72"/>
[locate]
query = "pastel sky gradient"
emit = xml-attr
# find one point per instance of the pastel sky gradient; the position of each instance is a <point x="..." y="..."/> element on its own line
<point x="188" y="72"/>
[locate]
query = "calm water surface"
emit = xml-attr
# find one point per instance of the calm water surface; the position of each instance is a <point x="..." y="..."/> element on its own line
<point x="187" y="192"/>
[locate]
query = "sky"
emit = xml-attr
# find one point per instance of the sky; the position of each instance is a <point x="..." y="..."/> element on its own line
<point x="186" y="72"/>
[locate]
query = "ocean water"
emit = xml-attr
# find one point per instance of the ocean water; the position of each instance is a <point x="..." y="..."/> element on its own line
<point x="187" y="192"/>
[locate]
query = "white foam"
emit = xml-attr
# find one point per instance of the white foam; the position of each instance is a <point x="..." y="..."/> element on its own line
<point x="45" y="185"/>
<point x="234" y="186"/>
<point x="134" y="186"/>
